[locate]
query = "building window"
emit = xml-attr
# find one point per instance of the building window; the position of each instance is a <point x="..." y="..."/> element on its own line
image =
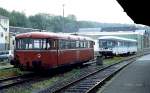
<point x="2" y="34"/>
<point x="5" y="21"/>
<point x="5" y="37"/>
<point x="5" y="29"/>
<point x="13" y="42"/>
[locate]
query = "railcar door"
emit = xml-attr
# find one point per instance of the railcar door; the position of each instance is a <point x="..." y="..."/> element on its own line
<point x="66" y="52"/>
<point x="50" y="55"/>
<point x="61" y="50"/>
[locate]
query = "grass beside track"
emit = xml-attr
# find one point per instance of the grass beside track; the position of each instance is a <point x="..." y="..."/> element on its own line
<point x="4" y="73"/>
<point x="55" y="79"/>
<point x="113" y="60"/>
<point x="10" y="72"/>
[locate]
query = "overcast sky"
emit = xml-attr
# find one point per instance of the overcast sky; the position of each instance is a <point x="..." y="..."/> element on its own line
<point x="93" y="10"/>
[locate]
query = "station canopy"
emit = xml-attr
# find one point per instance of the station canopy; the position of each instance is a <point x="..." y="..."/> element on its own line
<point x="137" y="10"/>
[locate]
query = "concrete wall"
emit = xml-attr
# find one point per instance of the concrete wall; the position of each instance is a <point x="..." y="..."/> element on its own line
<point x="2" y="46"/>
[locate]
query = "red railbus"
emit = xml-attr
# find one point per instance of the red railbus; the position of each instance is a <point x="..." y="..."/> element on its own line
<point x="46" y="50"/>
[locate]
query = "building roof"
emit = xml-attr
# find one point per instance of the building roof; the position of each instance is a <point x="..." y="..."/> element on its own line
<point x="17" y="30"/>
<point x="116" y="38"/>
<point x="141" y="32"/>
<point x="3" y="17"/>
<point x="89" y="30"/>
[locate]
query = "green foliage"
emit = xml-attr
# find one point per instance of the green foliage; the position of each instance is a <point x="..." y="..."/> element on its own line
<point x="10" y="72"/>
<point x="71" y="24"/>
<point x="88" y="24"/>
<point x="4" y="12"/>
<point x="40" y="21"/>
<point x="44" y="21"/>
<point x="18" y="19"/>
<point x="55" y="23"/>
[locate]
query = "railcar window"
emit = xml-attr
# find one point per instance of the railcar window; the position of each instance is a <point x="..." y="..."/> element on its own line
<point x="62" y="44"/>
<point x="44" y="44"/>
<point x="40" y="44"/>
<point x="107" y="43"/>
<point x="30" y="42"/>
<point x="126" y="44"/>
<point x="84" y="44"/>
<point x="51" y="44"/>
<point x="77" y="44"/>
<point x="66" y="44"/>
<point x="54" y="44"/>
<point x="103" y="43"/>
<point x="72" y="44"/>
<point x="88" y="44"/>
<point x="120" y="43"/>
<point x="36" y="44"/>
<point x="81" y="44"/>
<point x="91" y="44"/>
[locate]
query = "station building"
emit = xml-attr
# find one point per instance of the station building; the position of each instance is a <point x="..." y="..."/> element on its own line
<point x="4" y="33"/>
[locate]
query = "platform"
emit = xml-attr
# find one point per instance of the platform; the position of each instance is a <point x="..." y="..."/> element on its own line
<point x="135" y="78"/>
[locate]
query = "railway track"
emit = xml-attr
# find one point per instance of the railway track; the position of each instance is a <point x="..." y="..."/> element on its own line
<point x="11" y="81"/>
<point x="88" y="82"/>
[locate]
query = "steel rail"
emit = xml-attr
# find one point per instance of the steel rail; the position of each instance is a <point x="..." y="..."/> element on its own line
<point x="11" y="81"/>
<point x="48" y="90"/>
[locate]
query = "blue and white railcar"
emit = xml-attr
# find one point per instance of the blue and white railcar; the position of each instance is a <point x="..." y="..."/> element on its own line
<point x="113" y="45"/>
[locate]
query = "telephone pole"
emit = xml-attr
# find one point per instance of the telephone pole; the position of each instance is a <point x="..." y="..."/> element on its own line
<point x="63" y="21"/>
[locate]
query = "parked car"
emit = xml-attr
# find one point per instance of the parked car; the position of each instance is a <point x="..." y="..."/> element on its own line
<point x="8" y="54"/>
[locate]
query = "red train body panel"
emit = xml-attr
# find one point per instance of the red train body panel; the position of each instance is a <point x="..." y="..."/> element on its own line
<point x="43" y="50"/>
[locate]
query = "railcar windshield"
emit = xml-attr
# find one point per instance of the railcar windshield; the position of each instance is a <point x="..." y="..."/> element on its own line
<point x="33" y="44"/>
<point x="106" y="43"/>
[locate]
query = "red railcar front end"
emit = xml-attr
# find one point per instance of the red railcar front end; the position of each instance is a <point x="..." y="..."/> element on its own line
<point x="35" y="53"/>
<point x="28" y="59"/>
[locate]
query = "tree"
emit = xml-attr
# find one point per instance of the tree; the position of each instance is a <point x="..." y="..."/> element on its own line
<point x="18" y="19"/>
<point x="56" y="24"/>
<point x="71" y="24"/>
<point x="40" y="21"/>
<point x="4" y="12"/>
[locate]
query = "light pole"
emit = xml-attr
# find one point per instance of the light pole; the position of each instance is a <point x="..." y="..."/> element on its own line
<point x="63" y="21"/>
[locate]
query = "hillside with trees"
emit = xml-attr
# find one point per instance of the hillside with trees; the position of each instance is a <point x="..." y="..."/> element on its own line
<point x="56" y="23"/>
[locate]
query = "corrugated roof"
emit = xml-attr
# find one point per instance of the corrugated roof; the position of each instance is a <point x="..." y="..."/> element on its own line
<point x="21" y="29"/>
<point x="116" y="38"/>
<point x="111" y="33"/>
<point x="89" y="29"/>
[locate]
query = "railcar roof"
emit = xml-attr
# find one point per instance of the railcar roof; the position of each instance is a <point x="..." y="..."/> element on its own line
<point x="117" y="38"/>
<point x="51" y="35"/>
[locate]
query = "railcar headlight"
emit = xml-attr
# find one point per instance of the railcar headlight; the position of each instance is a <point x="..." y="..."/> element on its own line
<point x="11" y="57"/>
<point x="39" y="55"/>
